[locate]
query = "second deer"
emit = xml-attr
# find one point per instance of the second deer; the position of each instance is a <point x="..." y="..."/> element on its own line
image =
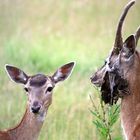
<point x="120" y="77"/>
<point x="39" y="89"/>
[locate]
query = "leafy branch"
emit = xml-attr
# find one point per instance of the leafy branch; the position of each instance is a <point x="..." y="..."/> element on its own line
<point x="105" y="116"/>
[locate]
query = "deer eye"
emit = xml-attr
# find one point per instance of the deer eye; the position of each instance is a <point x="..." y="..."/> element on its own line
<point x="26" y="89"/>
<point x="49" y="89"/>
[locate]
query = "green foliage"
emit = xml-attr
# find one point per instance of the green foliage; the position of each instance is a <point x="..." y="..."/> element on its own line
<point x="104" y="118"/>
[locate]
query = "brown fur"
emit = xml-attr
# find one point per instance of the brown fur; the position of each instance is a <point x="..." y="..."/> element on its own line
<point x="126" y="60"/>
<point x="27" y="129"/>
<point x="130" y="105"/>
<point x="39" y="90"/>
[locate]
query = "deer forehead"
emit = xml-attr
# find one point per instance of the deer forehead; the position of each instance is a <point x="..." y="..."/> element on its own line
<point x="39" y="81"/>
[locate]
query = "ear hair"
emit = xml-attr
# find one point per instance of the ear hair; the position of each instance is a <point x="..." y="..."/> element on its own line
<point x="16" y="74"/>
<point x="63" y="72"/>
<point x="129" y="47"/>
<point x="130" y="42"/>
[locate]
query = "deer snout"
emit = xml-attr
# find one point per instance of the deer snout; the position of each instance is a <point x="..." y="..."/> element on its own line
<point x="96" y="80"/>
<point x="35" y="108"/>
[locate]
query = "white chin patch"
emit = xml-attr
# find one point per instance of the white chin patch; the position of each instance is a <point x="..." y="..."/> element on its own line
<point x="41" y="116"/>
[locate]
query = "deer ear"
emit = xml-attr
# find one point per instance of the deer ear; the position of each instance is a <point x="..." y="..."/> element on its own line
<point x="129" y="47"/>
<point x="63" y="72"/>
<point x="130" y="43"/>
<point x="16" y="74"/>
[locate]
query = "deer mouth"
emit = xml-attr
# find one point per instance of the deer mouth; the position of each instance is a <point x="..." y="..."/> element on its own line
<point x="96" y="81"/>
<point x="35" y="112"/>
<point x="98" y="78"/>
<point x="113" y="86"/>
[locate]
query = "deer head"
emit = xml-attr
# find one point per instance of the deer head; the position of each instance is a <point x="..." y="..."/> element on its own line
<point x="39" y="87"/>
<point x="113" y="76"/>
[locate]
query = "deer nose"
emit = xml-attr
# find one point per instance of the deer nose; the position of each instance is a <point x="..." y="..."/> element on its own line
<point x="95" y="79"/>
<point x="35" y="107"/>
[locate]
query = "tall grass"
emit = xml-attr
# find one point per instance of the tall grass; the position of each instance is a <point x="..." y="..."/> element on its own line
<point x="40" y="36"/>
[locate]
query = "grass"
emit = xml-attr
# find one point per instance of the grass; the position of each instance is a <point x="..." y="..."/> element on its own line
<point x="40" y="36"/>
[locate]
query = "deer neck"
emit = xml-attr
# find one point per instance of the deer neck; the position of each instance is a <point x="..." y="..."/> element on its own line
<point x="29" y="127"/>
<point x="130" y="106"/>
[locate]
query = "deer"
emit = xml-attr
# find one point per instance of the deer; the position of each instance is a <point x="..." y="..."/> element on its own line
<point x="39" y="88"/>
<point x="119" y="78"/>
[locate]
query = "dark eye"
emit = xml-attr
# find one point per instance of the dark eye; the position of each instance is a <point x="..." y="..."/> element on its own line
<point x="49" y="89"/>
<point x="26" y="89"/>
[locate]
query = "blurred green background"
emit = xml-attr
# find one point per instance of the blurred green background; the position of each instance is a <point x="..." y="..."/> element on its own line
<point x="42" y="35"/>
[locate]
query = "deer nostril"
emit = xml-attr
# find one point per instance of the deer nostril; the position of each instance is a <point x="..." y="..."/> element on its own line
<point x="35" y="109"/>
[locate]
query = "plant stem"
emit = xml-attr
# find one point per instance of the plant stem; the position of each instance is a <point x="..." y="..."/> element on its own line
<point x="105" y="120"/>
